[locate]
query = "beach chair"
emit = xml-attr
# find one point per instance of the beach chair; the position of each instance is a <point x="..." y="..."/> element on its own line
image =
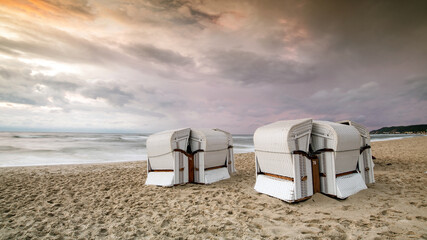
<point x="283" y="167"/>
<point x="211" y="151"/>
<point x="338" y="148"/>
<point x="365" y="164"/>
<point x="167" y="163"/>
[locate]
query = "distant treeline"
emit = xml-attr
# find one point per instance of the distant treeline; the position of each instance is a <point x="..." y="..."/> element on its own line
<point x="402" y="129"/>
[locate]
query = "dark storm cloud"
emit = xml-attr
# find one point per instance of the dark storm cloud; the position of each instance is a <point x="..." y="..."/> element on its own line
<point x="18" y="85"/>
<point x="198" y="14"/>
<point x="42" y="90"/>
<point x="362" y="35"/>
<point x="355" y="21"/>
<point x="18" y="98"/>
<point x="416" y="88"/>
<point x="195" y="14"/>
<point x="369" y="32"/>
<point x="251" y="68"/>
<point x="5" y="73"/>
<point x="163" y="56"/>
<point x="114" y="94"/>
<point x="163" y="13"/>
<point x="59" y="84"/>
<point x="21" y="87"/>
<point x="336" y="100"/>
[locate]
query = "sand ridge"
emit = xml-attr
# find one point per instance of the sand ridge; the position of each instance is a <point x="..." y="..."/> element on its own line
<point x="111" y="201"/>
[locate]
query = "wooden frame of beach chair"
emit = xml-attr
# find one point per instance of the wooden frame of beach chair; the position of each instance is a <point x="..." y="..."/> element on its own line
<point x="338" y="148"/>
<point x="365" y="164"/>
<point x="283" y="167"/>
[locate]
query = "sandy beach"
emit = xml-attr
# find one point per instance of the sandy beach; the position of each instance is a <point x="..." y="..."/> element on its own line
<point x="110" y="201"/>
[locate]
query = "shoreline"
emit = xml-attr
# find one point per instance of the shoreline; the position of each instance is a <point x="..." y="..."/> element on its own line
<point x="73" y="164"/>
<point x="144" y="160"/>
<point x="395" y="138"/>
<point x="110" y="200"/>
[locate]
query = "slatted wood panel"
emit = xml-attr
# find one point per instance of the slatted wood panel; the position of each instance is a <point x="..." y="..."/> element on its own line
<point x="315" y="174"/>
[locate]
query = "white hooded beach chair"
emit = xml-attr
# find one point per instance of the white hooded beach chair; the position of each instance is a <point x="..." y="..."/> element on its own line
<point x="338" y="149"/>
<point x="365" y="164"/>
<point x="283" y="169"/>
<point x="213" y="160"/>
<point x="167" y="163"/>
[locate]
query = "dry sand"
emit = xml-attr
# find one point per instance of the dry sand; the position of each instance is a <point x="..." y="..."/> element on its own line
<point x="111" y="201"/>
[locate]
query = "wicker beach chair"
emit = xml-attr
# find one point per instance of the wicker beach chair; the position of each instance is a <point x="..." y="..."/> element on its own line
<point x="167" y="163"/>
<point x="338" y="148"/>
<point x="189" y="155"/>
<point x="283" y="169"/>
<point x="213" y="156"/>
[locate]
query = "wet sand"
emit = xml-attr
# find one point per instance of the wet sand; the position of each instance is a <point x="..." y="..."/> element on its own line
<point x="110" y="201"/>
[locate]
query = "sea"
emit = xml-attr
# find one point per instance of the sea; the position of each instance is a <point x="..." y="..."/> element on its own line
<point x="37" y="149"/>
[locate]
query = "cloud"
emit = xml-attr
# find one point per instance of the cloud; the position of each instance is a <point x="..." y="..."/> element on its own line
<point x="202" y="15"/>
<point x="18" y="85"/>
<point x="370" y="33"/>
<point x="251" y="68"/>
<point x="164" y="64"/>
<point x="57" y="9"/>
<point x="166" y="13"/>
<point x="416" y="88"/>
<point x="151" y="53"/>
<point x="67" y="101"/>
<point x="114" y="95"/>
<point x="66" y="48"/>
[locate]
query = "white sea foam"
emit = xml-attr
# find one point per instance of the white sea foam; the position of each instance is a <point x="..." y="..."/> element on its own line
<point x="32" y="149"/>
<point x="388" y="137"/>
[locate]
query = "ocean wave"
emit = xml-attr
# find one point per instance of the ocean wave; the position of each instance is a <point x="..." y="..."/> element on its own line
<point x="9" y="148"/>
<point x="42" y="136"/>
<point x="388" y="137"/>
<point x="243" y="145"/>
<point x="243" y="137"/>
<point x="134" y="138"/>
<point x="29" y="136"/>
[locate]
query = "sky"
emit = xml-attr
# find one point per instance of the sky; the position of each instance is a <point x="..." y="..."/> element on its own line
<point x="147" y="66"/>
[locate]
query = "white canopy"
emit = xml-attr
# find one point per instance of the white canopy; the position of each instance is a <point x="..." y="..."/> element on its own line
<point x="341" y="137"/>
<point x="363" y="131"/>
<point x="161" y="145"/>
<point x="229" y="136"/>
<point x="281" y="137"/>
<point x="209" y="139"/>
